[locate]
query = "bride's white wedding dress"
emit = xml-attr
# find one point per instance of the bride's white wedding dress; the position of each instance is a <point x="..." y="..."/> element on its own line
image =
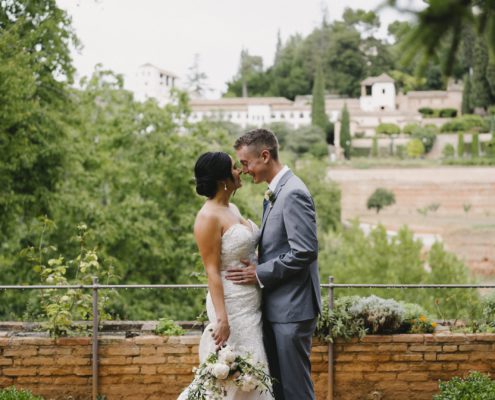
<point x="243" y="304"/>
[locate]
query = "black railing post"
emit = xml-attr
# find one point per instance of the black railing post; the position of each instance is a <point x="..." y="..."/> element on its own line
<point x="96" y="321"/>
<point x="330" y="344"/>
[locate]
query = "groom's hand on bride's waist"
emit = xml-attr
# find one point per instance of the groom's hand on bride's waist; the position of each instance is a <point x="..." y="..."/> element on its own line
<point x="243" y="276"/>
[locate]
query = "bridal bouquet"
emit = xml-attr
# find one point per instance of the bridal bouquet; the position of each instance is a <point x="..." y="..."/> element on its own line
<point x="226" y="366"/>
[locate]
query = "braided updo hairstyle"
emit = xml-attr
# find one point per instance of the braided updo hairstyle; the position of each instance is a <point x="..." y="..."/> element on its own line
<point x="211" y="168"/>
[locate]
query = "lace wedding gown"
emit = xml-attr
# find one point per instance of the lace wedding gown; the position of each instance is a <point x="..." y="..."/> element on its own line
<point x="243" y="304"/>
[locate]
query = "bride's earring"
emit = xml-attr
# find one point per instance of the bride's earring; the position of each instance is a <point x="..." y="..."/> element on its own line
<point x="225" y="186"/>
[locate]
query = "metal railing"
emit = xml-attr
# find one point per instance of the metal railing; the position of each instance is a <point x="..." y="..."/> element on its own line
<point x="95" y="287"/>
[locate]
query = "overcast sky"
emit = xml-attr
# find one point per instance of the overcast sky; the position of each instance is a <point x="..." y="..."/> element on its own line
<point x="123" y="34"/>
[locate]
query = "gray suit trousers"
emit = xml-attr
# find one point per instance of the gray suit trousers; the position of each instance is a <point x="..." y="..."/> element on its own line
<point x="288" y="347"/>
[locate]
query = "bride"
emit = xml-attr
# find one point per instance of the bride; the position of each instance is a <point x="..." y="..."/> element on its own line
<point x="224" y="238"/>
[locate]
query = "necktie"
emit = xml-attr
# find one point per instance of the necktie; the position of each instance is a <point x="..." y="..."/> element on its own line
<point x="265" y="206"/>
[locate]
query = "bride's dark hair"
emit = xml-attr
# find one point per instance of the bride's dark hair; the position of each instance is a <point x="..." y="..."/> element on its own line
<point x="211" y="168"/>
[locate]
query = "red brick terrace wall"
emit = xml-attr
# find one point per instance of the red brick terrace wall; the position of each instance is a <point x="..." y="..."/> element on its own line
<point x="154" y="367"/>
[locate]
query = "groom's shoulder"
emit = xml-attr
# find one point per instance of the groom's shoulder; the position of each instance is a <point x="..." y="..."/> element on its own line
<point x="296" y="184"/>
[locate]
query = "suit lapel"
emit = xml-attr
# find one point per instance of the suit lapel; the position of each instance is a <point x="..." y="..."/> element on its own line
<point x="279" y="187"/>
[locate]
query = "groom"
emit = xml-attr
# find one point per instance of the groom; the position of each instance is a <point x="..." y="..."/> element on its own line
<point x="287" y="269"/>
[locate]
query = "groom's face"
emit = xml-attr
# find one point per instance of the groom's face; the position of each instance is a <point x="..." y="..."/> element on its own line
<point x="253" y="163"/>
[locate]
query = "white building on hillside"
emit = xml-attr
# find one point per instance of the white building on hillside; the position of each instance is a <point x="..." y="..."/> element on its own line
<point x="378" y="94"/>
<point x="151" y="82"/>
<point x="252" y="111"/>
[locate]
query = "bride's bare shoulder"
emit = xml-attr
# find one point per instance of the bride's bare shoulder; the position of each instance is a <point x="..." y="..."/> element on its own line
<point x="235" y="209"/>
<point x="206" y="219"/>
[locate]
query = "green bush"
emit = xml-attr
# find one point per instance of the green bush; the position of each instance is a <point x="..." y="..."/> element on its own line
<point x="415" y="148"/>
<point x="380" y="199"/>
<point x="488" y="309"/>
<point x="470" y="161"/>
<point x="388" y="129"/>
<point x="426" y="111"/>
<point x="379" y="315"/>
<point x="448" y="151"/>
<point x="447" y="113"/>
<point x="11" y="393"/>
<point x="416" y="319"/>
<point x="465" y="123"/>
<point x="339" y="322"/>
<point x="476" y="386"/>
<point x="427" y="135"/>
<point x="168" y="327"/>
<point x="408" y="128"/>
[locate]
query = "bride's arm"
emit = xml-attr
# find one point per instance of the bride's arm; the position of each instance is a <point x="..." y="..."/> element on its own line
<point x="208" y="234"/>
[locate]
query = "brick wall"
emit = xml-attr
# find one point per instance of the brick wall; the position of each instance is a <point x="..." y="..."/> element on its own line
<point x="153" y="367"/>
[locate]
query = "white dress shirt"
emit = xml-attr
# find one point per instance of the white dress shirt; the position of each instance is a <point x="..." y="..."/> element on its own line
<point x="276" y="179"/>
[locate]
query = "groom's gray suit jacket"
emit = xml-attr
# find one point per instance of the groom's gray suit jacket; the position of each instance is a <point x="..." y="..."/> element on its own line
<point x="287" y="254"/>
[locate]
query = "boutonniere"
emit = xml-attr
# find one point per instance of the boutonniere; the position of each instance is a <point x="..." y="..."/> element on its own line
<point x="270" y="196"/>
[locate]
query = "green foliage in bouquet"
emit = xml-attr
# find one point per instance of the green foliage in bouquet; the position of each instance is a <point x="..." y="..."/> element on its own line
<point x="224" y="367"/>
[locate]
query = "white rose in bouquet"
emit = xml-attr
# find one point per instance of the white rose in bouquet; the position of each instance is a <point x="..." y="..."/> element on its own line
<point x="220" y="371"/>
<point x="248" y="383"/>
<point x="226" y="355"/>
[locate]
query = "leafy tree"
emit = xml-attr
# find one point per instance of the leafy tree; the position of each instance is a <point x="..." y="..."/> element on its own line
<point x="388" y="129"/>
<point x="35" y="69"/>
<point x="249" y="66"/>
<point x="308" y="139"/>
<point x="345" y="132"/>
<point x="352" y="256"/>
<point x="196" y="79"/>
<point x="447" y="20"/>
<point x="427" y="135"/>
<point x="380" y="199"/>
<point x="480" y="95"/>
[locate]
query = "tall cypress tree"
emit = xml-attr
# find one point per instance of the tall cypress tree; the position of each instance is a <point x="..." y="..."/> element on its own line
<point x="480" y="88"/>
<point x="318" y="115"/>
<point x="345" y="132"/>
<point x="466" y="95"/>
<point x="460" y="145"/>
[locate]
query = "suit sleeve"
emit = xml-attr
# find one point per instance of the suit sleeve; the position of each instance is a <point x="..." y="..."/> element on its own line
<point x="300" y="224"/>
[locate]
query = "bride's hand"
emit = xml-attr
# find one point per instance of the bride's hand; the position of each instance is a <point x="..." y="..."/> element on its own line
<point x="221" y="333"/>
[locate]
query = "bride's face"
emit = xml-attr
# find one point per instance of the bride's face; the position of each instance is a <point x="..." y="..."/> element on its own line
<point x="236" y="174"/>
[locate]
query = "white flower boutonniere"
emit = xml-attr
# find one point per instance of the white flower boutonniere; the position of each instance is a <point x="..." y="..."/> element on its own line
<point x="270" y="196"/>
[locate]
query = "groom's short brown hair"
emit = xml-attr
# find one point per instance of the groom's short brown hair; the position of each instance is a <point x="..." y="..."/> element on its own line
<point x="261" y="139"/>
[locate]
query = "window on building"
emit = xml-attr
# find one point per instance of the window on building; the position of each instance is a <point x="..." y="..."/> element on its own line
<point x="273" y="116"/>
<point x="291" y="115"/>
<point x="282" y="115"/>
<point x="368" y="90"/>
<point x="382" y="108"/>
<point x="383" y="91"/>
<point x="301" y="115"/>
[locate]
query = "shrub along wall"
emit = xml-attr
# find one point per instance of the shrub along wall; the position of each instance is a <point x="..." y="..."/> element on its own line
<point x="154" y="367"/>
